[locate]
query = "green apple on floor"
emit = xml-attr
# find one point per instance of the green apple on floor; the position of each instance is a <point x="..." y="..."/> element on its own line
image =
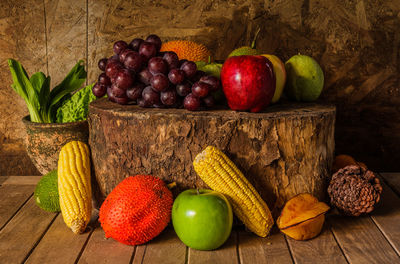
<point x="202" y="219"/>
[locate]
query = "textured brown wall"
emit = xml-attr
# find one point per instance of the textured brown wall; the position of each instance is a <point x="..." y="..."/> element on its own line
<point x="356" y="42"/>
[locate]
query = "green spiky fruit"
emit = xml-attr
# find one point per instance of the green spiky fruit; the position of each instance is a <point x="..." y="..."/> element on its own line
<point x="46" y="192"/>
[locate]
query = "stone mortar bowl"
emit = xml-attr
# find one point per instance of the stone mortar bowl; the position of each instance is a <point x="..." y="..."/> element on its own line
<point x="45" y="140"/>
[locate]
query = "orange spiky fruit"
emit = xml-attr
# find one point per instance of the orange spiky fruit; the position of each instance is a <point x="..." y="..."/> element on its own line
<point x="188" y="50"/>
<point x="137" y="210"/>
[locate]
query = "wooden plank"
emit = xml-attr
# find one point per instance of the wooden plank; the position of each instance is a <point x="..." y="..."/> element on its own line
<point x="66" y="36"/>
<point x="166" y="248"/>
<point x="257" y="250"/>
<point x="139" y="254"/>
<point x="393" y="180"/>
<point x="12" y="197"/>
<point x="102" y="250"/>
<point x="22" y="233"/>
<point x="225" y="254"/>
<point x="361" y="241"/>
<point x="387" y="215"/>
<point x="2" y="179"/>
<point x="321" y="249"/>
<point x="59" y="245"/>
<point x="22" y="180"/>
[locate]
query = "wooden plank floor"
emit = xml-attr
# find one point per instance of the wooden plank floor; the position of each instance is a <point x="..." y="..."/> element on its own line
<point x="30" y="235"/>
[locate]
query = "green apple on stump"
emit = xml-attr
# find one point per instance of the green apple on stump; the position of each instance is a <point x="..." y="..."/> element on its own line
<point x="202" y="219"/>
<point x="280" y="76"/>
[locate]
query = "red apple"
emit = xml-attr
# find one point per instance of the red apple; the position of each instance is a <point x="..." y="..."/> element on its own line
<point x="248" y="82"/>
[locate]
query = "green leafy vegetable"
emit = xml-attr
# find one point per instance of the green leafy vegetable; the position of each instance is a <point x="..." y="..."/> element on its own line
<point x="41" y="102"/>
<point x="76" y="108"/>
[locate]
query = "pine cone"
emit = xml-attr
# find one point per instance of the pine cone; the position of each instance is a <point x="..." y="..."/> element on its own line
<point x="354" y="190"/>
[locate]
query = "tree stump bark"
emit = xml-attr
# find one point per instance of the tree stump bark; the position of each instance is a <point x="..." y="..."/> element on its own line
<point x="286" y="150"/>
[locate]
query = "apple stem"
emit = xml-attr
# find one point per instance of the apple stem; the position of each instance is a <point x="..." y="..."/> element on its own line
<point x="253" y="43"/>
<point x="171" y="185"/>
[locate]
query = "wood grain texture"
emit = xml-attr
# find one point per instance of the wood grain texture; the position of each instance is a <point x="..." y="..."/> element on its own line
<point x="165" y="248"/>
<point x="2" y="179"/>
<point x="356" y="42"/>
<point x="387" y="216"/>
<point x="257" y="250"/>
<point x="260" y="144"/>
<point x="22" y="233"/>
<point x="321" y="249"/>
<point x="361" y="240"/>
<point x="22" y="36"/>
<point x="66" y="36"/>
<point x="393" y="180"/>
<point x="22" y="180"/>
<point x="59" y="245"/>
<point x="227" y="253"/>
<point x="12" y="197"/>
<point x="105" y="250"/>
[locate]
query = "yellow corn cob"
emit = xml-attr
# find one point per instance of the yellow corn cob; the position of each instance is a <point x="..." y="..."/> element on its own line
<point x="221" y="175"/>
<point x="74" y="185"/>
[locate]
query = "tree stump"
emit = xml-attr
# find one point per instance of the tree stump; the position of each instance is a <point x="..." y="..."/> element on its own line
<point x="286" y="150"/>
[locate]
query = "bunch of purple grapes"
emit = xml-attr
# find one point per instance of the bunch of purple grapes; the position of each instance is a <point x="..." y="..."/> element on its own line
<point x="140" y="73"/>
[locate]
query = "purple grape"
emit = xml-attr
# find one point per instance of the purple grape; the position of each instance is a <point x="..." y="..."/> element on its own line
<point x="169" y="97"/>
<point x="157" y="65"/>
<point x="158" y="105"/>
<point x="123" y="54"/>
<point x="112" y="68"/>
<point x="159" y="82"/>
<point x="104" y="79"/>
<point x="148" y="49"/>
<point x="145" y="76"/>
<point x="150" y="96"/>
<point x="119" y="46"/>
<point x="212" y="81"/>
<point x="176" y="76"/>
<point x="135" y="92"/>
<point x="172" y="59"/>
<point x="191" y="102"/>
<point x="201" y="89"/>
<point x="124" y="79"/>
<point x="144" y="60"/>
<point x="135" y="44"/>
<point x="122" y="100"/>
<point x="190" y="68"/>
<point x="155" y="40"/>
<point x="133" y="61"/>
<point x="99" y="90"/>
<point x="209" y="101"/>
<point x="118" y="92"/>
<point x="184" y="89"/>
<point x="197" y="76"/>
<point x="143" y="103"/>
<point x="182" y="61"/>
<point x="110" y="94"/>
<point x="114" y="57"/>
<point x="102" y="64"/>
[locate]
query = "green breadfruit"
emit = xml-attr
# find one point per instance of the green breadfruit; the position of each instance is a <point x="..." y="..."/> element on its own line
<point x="46" y="192"/>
